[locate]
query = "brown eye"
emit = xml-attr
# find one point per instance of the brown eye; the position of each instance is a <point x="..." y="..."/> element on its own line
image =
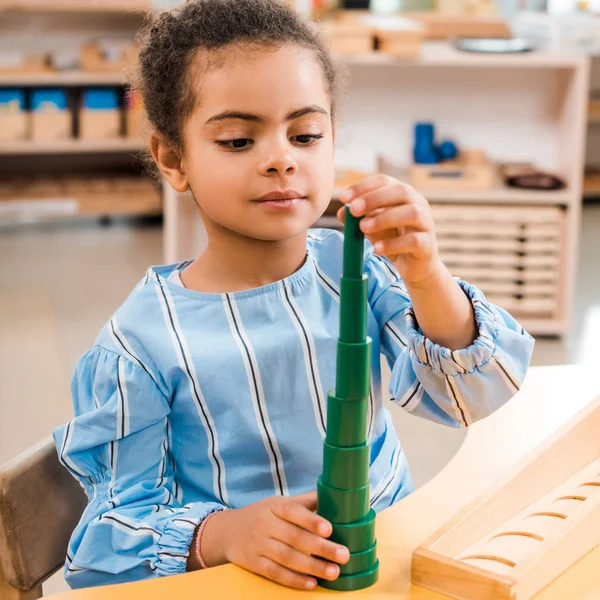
<point x="306" y="139"/>
<point x="237" y="144"/>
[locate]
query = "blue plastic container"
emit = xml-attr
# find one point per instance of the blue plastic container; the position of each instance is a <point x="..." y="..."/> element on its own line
<point x="101" y="99"/>
<point x="424" y="151"/>
<point x="44" y="99"/>
<point x="12" y="97"/>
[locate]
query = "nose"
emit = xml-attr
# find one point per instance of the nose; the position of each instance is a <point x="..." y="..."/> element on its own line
<point x="278" y="160"/>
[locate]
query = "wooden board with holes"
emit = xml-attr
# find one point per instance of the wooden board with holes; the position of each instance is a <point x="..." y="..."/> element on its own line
<point x="541" y="518"/>
<point x="497" y="214"/>
<point x="483" y="230"/>
<point x="489" y="259"/>
<point x="509" y="245"/>
<point x="482" y="273"/>
<point x="512" y="253"/>
<point x="514" y="288"/>
<point x="530" y="305"/>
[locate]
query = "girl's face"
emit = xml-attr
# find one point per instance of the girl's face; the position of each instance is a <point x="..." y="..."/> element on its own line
<point x="259" y="145"/>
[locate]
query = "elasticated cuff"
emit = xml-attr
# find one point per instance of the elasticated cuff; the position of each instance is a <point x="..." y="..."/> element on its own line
<point x="174" y="543"/>
<point x="455" y="362"/>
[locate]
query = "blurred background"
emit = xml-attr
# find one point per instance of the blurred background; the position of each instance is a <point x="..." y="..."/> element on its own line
<point x="490" y="109"/>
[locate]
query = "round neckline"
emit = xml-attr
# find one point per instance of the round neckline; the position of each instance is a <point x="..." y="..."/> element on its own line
<point x="298" y="277"/>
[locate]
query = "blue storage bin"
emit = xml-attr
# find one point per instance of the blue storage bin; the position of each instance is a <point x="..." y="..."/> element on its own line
<point x="48" y="99"/>
<point x="12" y="98"/>
<point x="101" y="99"/>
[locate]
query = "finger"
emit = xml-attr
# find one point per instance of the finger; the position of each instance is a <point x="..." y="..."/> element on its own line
<point x="406" y="215"/>
<point x="309" y="499"/>
<point x="341" y="213"/>
<point x="302" y="515"/>
<point x="271" y="570"/>
<point x="391" y="195"/>
<point x="417" y="243"/>
<point x="310" y="543"/>
<point x="372" y="237"/>
<point x="363" y="186"/>
<point x="300" y="562"/>
<point x="300" y="511"/>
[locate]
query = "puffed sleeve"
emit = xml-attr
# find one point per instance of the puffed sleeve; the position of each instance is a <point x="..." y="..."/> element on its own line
<point x="453" y="387"/>
<point x="117" y="447"/>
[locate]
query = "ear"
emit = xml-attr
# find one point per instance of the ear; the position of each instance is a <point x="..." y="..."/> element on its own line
<point x="169" y="162"/>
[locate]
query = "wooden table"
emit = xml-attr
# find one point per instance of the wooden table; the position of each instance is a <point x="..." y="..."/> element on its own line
<point x="550" y="396"/>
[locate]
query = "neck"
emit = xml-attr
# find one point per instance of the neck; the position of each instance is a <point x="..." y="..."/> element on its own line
<point x="233" y="262"/>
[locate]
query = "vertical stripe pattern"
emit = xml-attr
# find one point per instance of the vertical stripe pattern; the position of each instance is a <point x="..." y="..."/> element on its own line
<point x="122" y="403"/>
<point x="310" y="356"/>
<point x="257" y="393"/>
<point x="185" y="362"/>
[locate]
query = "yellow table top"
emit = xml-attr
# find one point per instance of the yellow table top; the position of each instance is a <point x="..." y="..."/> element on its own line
<point x="549" y="397"/>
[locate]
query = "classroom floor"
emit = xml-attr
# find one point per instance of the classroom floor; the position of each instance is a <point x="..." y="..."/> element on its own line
<point x="60" y="284"/>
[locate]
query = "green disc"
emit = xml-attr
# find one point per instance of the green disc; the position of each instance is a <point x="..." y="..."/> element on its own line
<point x="348" y="583"/>
<point x="360" y="561"/>
<point x="346" y="421"/>
<point x="346" y="468"/>
<point x="353" y="309"/>
<point x="353" y="370"/>
<point x="356" y="536"/>
<point x="354" y="243"/>
<point x="342" y="506"/>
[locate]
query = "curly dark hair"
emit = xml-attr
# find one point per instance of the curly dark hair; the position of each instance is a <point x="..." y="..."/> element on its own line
<point x="170" y="41"/>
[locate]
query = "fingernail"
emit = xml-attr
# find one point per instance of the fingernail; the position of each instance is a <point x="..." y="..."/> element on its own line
<point x="357" y="206"/>
<point x="366" y="223"/>
<point x="332" y="571"/>
<point x="324" y="529"/>
<point x="378" y="247"/>
<point x="345" y="195"/>
<point x="342" y="555"/>
<point x="310" y="584"/>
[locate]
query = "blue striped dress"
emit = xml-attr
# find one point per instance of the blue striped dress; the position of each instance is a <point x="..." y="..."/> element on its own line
<point x="189" y="403"/>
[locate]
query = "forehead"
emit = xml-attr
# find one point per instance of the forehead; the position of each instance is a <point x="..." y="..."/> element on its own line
<point x="267" y="82"/>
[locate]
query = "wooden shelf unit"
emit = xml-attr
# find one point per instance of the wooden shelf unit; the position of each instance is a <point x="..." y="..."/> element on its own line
<point x="63" y="26"/>
<point x="77" y="195"/>
<point x="117" y="7"/>
<point x="74" y="146"/>
<point x="443" y="54"/>
<point x="60" y="79"/>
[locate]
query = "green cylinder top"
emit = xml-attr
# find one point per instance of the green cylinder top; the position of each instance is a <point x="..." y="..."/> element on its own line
<point x="354" y="240"/>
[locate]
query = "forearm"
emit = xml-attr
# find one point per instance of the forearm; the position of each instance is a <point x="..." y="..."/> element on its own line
<point x="443" y="311"/>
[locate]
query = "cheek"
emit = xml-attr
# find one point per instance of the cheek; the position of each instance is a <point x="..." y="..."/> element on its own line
<point x="322" y="167"/>
<point x="212" y="174"/>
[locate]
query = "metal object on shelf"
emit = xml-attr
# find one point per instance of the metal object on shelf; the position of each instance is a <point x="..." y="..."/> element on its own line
<point x="493" y="45"/>
<point x="527" y="176"/>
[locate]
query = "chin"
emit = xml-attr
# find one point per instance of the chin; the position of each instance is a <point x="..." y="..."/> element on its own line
<point x="278" y="232"/>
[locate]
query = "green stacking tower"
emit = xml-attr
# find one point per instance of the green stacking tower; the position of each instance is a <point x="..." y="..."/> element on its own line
<point x="343" y="488"/>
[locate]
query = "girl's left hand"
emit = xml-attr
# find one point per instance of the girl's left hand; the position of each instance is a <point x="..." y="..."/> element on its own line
<point x="398" y="222"/>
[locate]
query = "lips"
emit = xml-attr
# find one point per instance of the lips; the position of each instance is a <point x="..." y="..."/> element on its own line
<point x="280" y="196"/>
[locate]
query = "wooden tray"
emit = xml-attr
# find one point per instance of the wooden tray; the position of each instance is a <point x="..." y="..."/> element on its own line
<point x="537" y="521"/>
<point x="348" y="38"/>
<point x="471" y="171"/>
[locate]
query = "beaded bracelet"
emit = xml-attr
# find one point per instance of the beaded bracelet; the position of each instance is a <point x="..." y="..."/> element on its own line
<point x="203" y="565"/>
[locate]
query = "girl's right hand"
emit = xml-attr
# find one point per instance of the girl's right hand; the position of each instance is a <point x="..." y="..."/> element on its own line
<point x="280" y="538"/>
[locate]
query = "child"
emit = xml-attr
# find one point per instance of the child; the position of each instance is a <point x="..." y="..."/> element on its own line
<point x="200" y="410"/>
